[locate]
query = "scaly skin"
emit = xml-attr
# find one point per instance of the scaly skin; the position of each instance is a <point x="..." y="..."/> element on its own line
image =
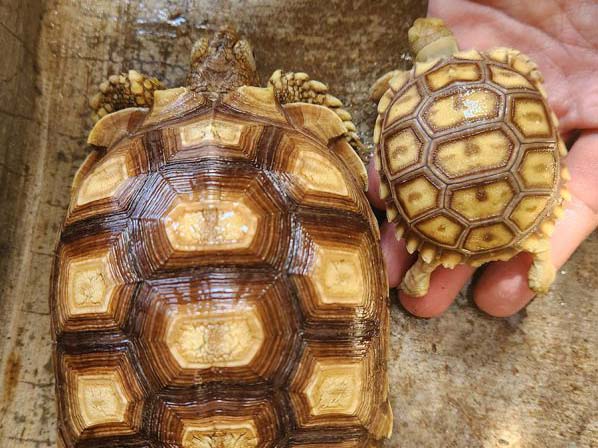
<point x="560" y="37"/>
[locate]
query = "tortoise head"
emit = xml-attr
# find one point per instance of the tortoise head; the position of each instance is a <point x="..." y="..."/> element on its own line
<point x="221" y="63"/>
<point x="430" y="38"/>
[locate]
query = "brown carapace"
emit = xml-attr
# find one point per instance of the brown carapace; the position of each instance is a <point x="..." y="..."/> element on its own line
<point x="469" y="157"/>
<point x="219" y="282"/>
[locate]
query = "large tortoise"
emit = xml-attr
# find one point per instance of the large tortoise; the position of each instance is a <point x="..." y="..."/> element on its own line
<point x="219" y="281"/>
<point x="469" y="157"/>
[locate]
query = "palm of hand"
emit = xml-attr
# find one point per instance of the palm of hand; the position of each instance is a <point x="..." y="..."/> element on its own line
<point x="561" y="39"/>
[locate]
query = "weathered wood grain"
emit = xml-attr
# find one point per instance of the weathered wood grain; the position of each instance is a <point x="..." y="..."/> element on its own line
<point x="463" y="380"/>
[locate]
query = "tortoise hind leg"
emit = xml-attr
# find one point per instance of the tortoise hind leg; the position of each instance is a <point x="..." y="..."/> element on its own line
<point x="417" y="280"/>
<point x="297" y="87"/>
<point x="542" y="272"/>
<point x="132" y="89"/>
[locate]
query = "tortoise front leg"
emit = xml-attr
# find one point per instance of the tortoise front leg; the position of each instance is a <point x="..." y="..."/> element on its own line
<point x="297" y="87"/>
<point x="382" y="84"/>
<point x="132" y="89"/>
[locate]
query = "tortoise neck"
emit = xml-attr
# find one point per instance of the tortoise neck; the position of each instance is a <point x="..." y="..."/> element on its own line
<point x="430" y="38"/>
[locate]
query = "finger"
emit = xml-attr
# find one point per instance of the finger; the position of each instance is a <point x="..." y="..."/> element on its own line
<point x="444" y="287"/>
<point x="374" y="187"/>
<point x="396" y="257"/>
<point x="502" y="289"/>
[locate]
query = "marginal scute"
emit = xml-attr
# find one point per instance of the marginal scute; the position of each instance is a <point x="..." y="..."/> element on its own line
<point x="164" y="98"/>
<point x="398" y="81"/>
<point x="115" y="126"/>
<point x="322" y="121"/>
<point x="171" y="104"/>
<point x="256" y="101"/>
<point x="471" y="55"/>
<point x="422" y="67"/>
<point x="451" y="73"/>
<point x="508" y="78"/>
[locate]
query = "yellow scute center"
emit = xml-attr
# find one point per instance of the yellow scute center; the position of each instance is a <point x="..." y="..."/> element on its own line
<point x="336" y="388"/>
<point x="338" y="276"/>
<point x="215" y="337"/>
<point x="103" y="181"/>
<point x="213" y="131"/>
<point x="89" y="285"/>
<point x="204" y="224"/>
<point x="317" y="173"/>
<point x="101" y="399"/>
<point x="220" y="432"/>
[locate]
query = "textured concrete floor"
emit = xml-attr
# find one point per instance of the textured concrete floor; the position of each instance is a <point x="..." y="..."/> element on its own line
<point x="463" y="380"/>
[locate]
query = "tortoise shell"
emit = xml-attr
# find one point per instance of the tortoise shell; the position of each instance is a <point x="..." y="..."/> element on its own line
<point x="219" y="282"/>
<point x="469" y="155"/>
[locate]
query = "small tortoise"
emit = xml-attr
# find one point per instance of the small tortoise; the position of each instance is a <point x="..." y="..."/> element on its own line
<point x="469" y="157"/>
<point x="219" y="281"/>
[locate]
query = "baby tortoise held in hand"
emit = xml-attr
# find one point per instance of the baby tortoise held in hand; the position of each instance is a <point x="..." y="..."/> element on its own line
<point x="219" y="280"/>
<point x="469" y="157"/>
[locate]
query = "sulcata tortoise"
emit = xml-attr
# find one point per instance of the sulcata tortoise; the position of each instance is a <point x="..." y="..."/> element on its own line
<point x="219" y="282"/>
<point x="469" y="157"/>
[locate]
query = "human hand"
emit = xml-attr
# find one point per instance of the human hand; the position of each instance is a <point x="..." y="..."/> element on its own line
<point x="561" y="38"/>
